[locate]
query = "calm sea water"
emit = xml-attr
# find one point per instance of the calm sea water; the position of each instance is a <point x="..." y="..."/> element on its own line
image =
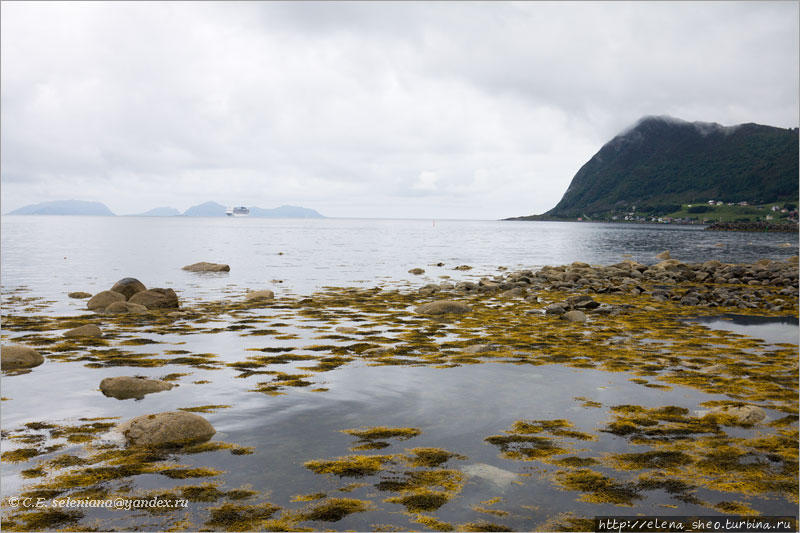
<point x="53" y="255"/>
<point x="454" y="407"/>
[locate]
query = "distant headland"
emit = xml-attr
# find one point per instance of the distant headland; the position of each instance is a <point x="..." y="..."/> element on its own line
<point x="207" y="209"/>
<point x="671" y="171"/>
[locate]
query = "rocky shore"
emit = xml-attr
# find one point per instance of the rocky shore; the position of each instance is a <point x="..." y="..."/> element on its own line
<point x="708" y="284"/>
<point x="627" y="317"/>
<point x="782" y="227"/>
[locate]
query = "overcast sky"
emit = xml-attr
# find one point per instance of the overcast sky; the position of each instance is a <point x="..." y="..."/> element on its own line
<point x="434" y="110"/>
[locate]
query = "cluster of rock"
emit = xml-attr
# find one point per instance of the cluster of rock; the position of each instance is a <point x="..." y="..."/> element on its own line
<point x="748" y="282"/>
<point x="787" y="227"/>
<point x="129" y="295"/>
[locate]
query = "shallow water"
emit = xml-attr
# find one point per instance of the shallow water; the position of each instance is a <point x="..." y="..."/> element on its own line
<point x="455" y="408"/>
<point x="776" y="329"/>
<point x="55" y="255"/>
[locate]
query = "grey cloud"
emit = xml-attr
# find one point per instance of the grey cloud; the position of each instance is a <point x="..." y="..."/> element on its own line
<point x="365" y="109"/>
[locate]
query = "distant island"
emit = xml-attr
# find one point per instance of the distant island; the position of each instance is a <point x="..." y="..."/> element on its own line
<point x="207" y="209"/>
<point x="65" y="207"/>
<point x="668" y="170"/>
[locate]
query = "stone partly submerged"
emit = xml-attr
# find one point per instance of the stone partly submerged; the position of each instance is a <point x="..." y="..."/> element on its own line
<point x="442" y="307"/>
<point x="16" y="356"/>
<point x="416" y="271"/>
<point x="103" y="299"/>
<point x="88" y="330"/>
<point x="128" y="287"/>
<point x="574" y="316"/>
<point x="80" y="295"/>
<point x="156" y="299"/>
<point x="501" y="479"/>
<point x="170" y="429"/>
<point x="207" y="267"/>
<point x="125" y="387"/>
<point x="259" y="295"/>
<point x="743" y="414"/>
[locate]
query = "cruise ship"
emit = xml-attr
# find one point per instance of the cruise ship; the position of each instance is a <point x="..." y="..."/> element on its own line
<point x="240" y="211"/>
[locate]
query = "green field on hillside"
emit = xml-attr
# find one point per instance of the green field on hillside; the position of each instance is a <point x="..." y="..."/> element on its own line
<point x="732" y="213"/>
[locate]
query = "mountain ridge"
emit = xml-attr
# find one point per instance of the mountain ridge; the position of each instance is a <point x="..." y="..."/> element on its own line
<point x="206" y="209"/>
<point x="661" y="162"/>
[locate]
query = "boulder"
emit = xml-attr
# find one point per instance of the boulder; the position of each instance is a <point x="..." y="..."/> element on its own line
<point x="170" y="429"/>
<point x="125" y="307"/>
<point x="125" y="387"/>
<point x="663" y="255"/>
<point x="743" y="414"/>
<point x="103" y="299"/>
<point x="79" y="295"/>
<point x="555" y="309"/>
<point x="259" y="295"/>
<point x="128" y="287"/>
<point x="480" y="348"/>
<point x="574" y="316"/>
<point x="89" y="330"/>
<point x="441" y="307"/>
<point x="513" y="293"/>
<point x="462" y="267"/>
<point x="207" y="267"/>
<point x="346" y="329"/>
<point x="15" y="356"/>
<point x="582" y="301"/>
<point x="156" y="299"/>
<point x="416" y="271"/>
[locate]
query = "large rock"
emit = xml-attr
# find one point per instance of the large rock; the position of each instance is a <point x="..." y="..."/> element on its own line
<point x="17" y="356"/>
<point x="89" y="330"/>
<point x="125" y="307"/>
<point x="441" y="307"/>
<point x="555" y="309"/>
<point x="173" y="428"/>
<point x="416" y="271"/>
<point x="124" y="387"/>
<point x="156" y="299"/>
<point x="259" y="295"/>
<point x="574" y="316"/>
<point x="103" y="299"/>
<point x="743" y="414"/>
<point x="128" y="287"/>
<point x="207" y="267"/>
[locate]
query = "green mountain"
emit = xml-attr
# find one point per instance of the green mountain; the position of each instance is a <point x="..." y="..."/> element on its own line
<point x="65" y="207"/>
<point x="662" y="162"/>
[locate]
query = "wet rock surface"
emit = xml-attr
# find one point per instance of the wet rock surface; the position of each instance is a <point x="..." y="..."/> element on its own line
<point x="80" y="295"/>
<point x="103" y="299"/>
<point x="170" y="429"/>
<point x="156" y="299"/>
<point x="204" y="266"/>
<point x="441" y="307"/>
<point x="15" y="356"/>
<point x="128" y="287"/>
<point x="260" y="295"/>
<point x="125" y="387"/>
<point x="88" y="330"/>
